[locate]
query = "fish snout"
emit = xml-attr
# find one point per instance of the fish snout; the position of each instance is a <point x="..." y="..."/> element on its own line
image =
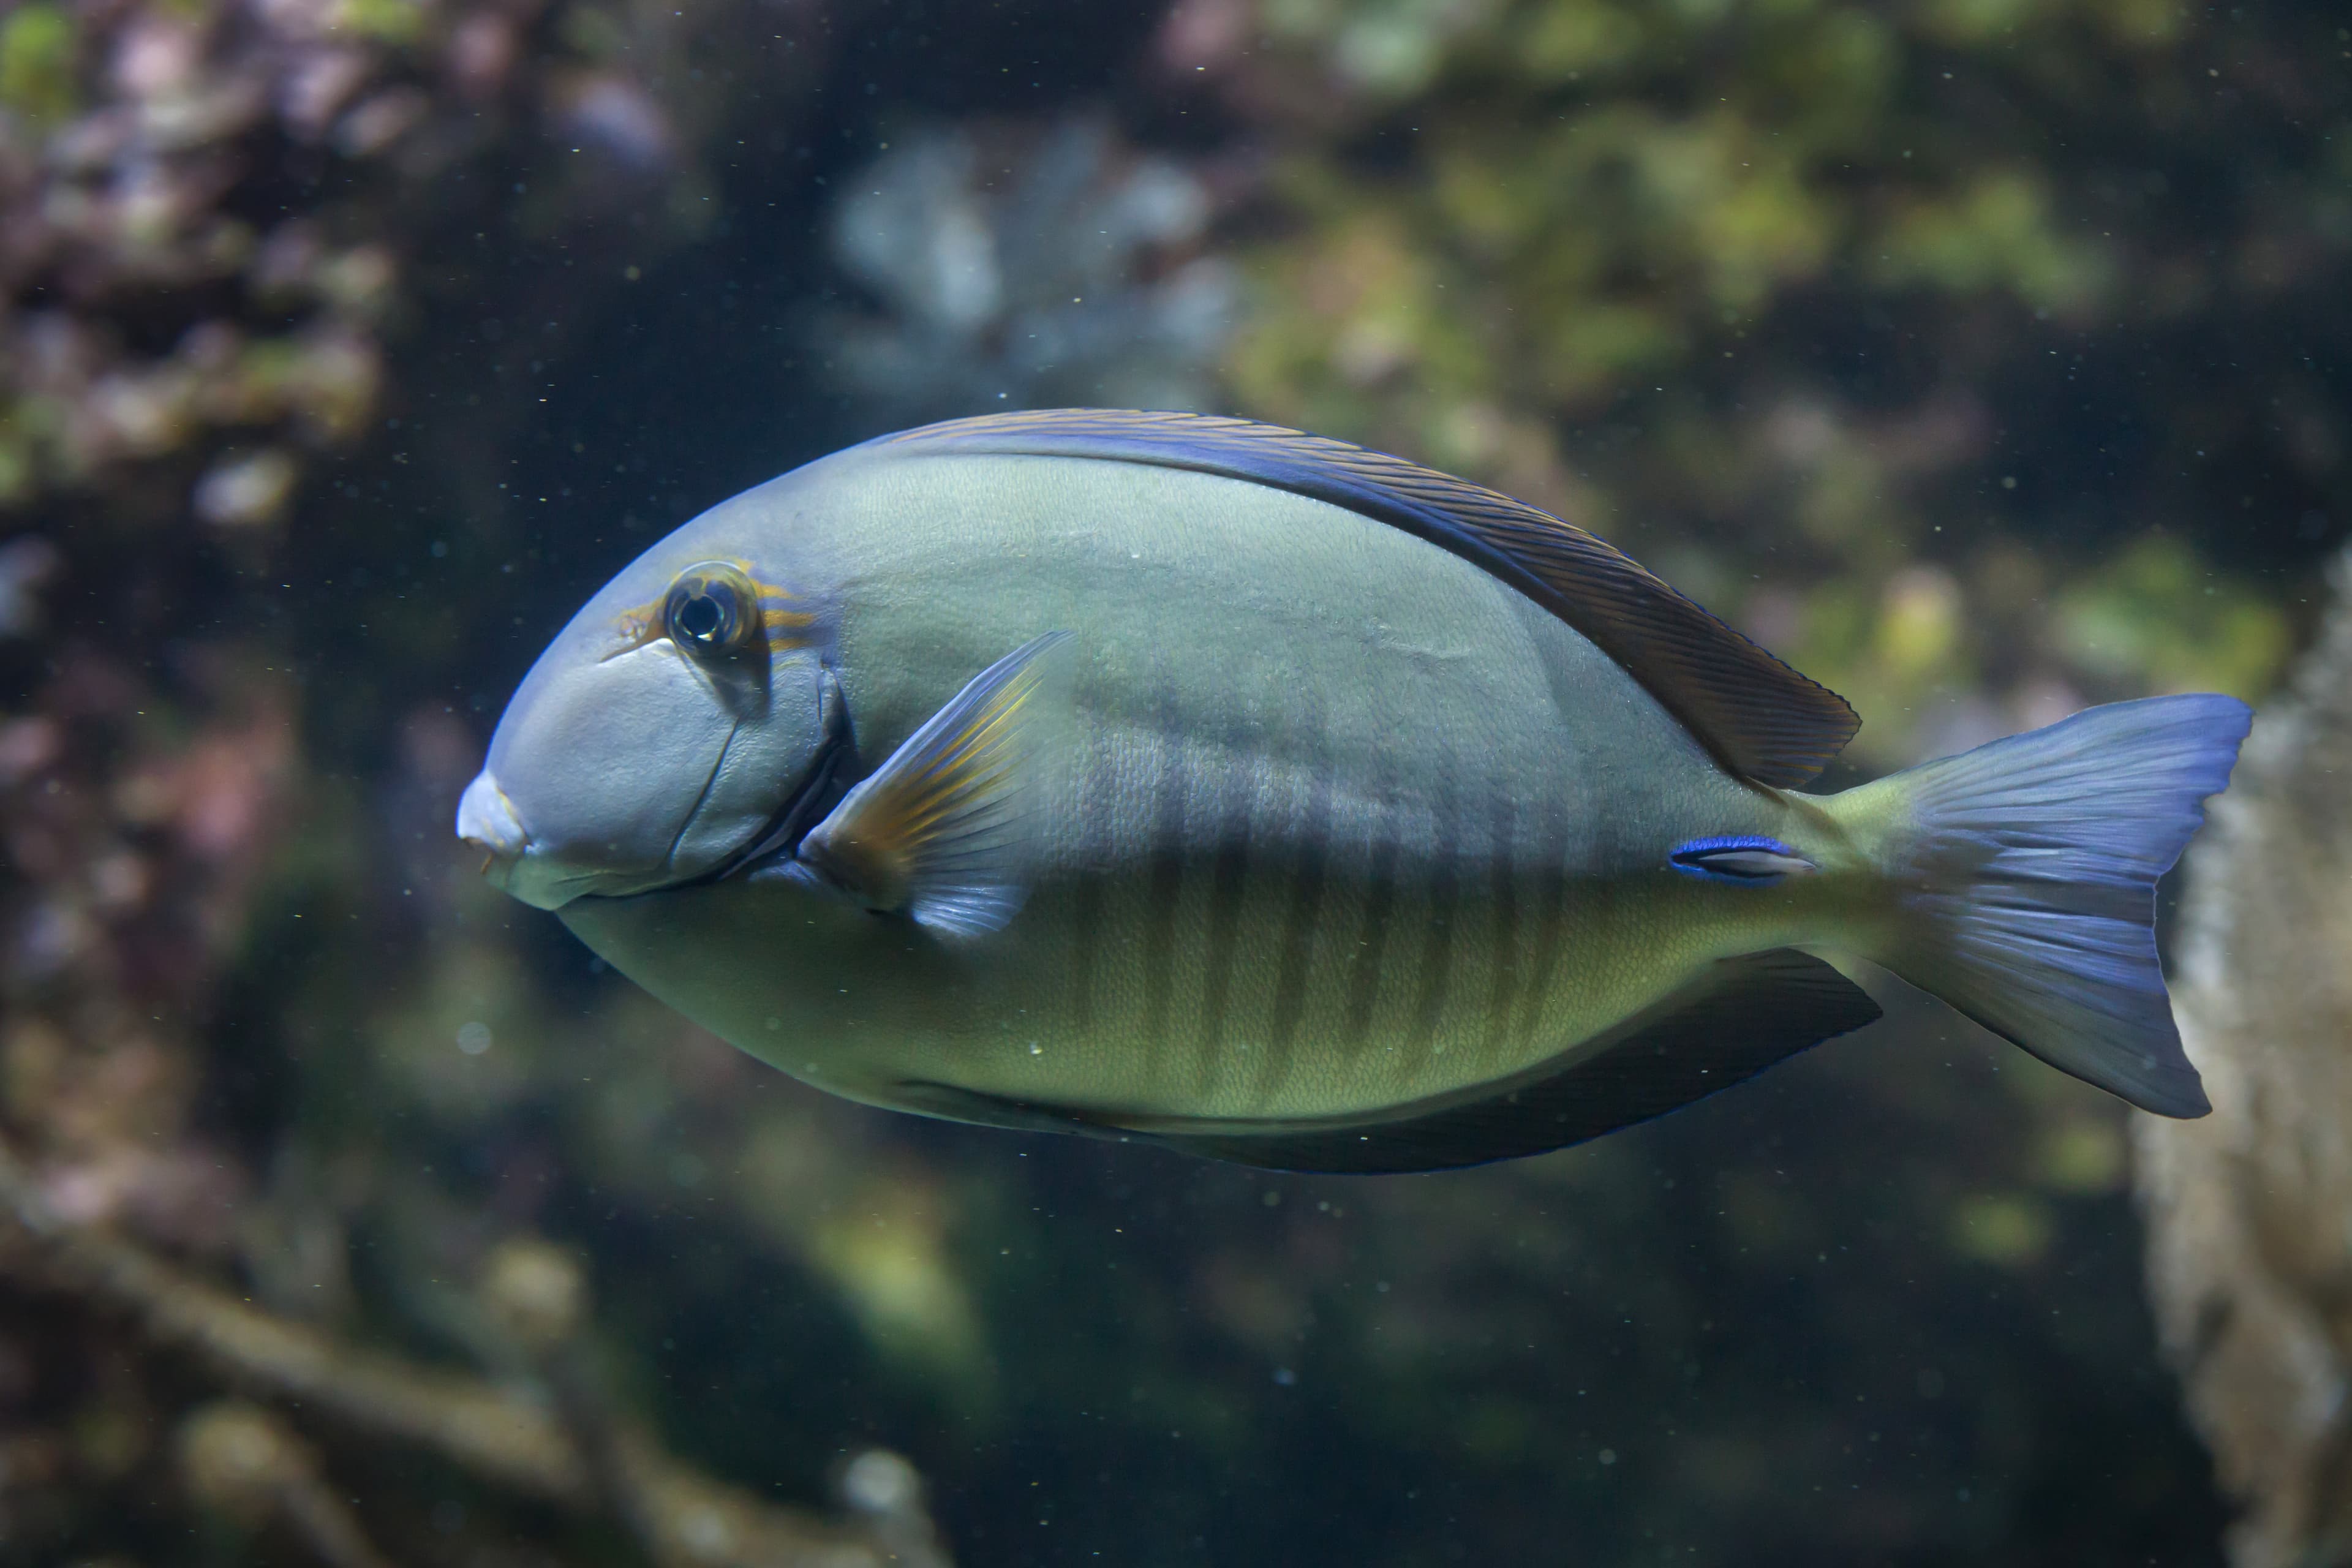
<point x="487" y="818"/>
<point x="549" y="865"/>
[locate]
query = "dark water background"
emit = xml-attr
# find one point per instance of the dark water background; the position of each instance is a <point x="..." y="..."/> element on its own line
<point x="1983" y="360"/>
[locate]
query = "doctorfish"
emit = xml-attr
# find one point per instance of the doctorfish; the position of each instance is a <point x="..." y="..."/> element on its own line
<point x="1196" y="782"/>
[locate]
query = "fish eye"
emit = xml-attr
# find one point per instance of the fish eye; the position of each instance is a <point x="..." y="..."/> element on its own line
<point x="708" y="612"/>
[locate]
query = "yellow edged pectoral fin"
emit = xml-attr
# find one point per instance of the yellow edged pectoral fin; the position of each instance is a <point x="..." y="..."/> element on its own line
<point x="944" y="831"/>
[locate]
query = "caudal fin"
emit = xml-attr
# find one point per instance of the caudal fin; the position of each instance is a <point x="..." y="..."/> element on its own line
<point x="2027" y="878"/>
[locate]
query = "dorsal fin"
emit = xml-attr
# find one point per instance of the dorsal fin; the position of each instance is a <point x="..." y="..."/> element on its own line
<point x="1758" y="717"/>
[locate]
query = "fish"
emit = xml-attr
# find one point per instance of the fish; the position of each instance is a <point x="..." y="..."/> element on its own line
<point x="1189" y="781"/>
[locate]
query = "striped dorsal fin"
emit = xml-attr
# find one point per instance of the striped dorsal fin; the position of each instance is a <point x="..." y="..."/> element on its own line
<point x="1759" y="718"/>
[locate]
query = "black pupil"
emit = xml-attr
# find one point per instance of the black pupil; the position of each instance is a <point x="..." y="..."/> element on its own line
<point x="702" y="617"/>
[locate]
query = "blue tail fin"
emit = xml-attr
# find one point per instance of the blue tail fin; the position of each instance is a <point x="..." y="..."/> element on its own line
<point x="2028" y="884"/>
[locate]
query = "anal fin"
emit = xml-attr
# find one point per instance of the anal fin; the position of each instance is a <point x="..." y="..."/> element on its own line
<point x="981" y="1109"/>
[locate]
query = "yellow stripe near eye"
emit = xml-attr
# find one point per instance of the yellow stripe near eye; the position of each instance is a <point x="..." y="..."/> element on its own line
<point x="633" y="628"/>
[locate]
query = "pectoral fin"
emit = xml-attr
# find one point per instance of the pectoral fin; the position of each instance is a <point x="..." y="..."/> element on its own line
<point x="944" y="831"/>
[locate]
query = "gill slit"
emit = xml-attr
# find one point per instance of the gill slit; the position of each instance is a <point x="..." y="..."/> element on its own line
<point x="807" y="807"/>
<point x="670" y="859"/>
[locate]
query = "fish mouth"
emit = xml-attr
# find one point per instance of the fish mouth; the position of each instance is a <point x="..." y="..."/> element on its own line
<point x="488" y="820"/>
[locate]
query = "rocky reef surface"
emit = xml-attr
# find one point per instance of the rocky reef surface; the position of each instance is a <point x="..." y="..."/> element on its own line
<point x="2249" y="1251"/>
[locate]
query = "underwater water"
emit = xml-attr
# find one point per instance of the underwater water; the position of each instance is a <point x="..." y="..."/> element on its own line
<point x="1983" y="362"/>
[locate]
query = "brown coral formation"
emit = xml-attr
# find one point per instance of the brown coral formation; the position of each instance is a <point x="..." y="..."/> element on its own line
<point x="161" y="309"/>
<point x="216" y="219"/>
<point x="251" y="1467"/>
<point x="2250" y="1257"/>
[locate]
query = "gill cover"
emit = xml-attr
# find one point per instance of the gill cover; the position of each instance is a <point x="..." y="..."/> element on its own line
<point x="658" y="736"/>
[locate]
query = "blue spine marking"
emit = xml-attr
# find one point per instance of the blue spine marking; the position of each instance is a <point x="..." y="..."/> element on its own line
<point x="1742" y="859"/>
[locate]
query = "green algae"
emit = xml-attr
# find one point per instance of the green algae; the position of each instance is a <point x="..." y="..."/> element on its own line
<point x="38" y="53"/>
